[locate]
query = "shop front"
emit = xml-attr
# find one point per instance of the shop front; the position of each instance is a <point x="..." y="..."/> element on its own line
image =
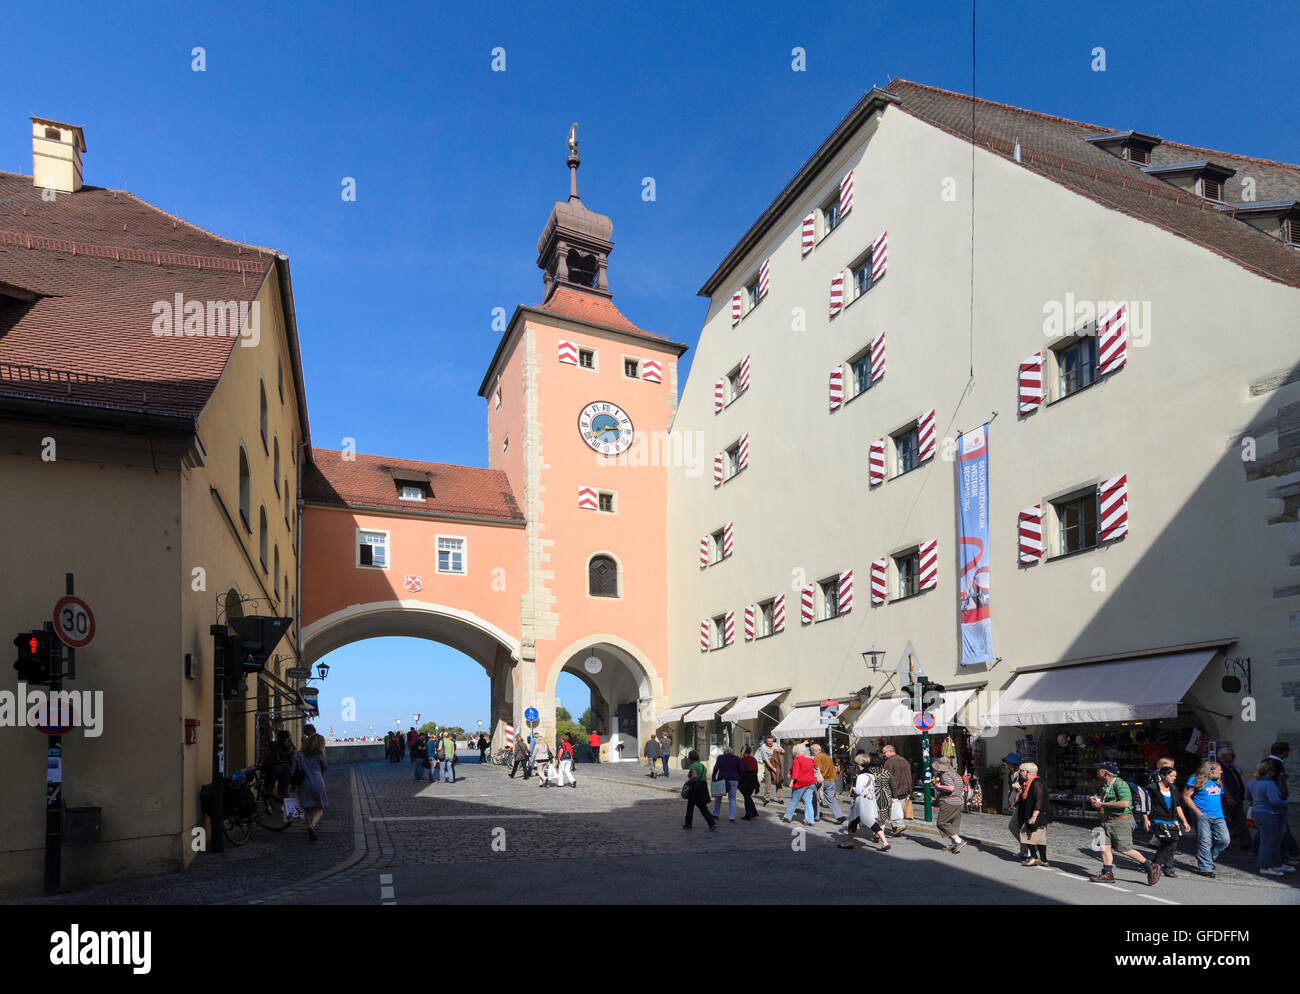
<point x="805" y="722"/>
<point x="890" y="721"/>
<point x="753" y="717"/>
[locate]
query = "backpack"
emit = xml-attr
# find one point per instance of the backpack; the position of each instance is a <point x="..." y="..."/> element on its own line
<point x="1141" y="800"/>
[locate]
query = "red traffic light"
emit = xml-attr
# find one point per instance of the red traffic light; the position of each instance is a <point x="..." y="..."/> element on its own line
<point x="33" y="644"/>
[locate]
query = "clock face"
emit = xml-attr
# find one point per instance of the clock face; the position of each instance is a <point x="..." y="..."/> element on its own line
<point x="605" y="428"/>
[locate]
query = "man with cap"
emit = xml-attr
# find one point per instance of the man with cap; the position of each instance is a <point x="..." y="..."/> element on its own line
<point x="1011" y="763"/>
<point x="1115" y="808"/>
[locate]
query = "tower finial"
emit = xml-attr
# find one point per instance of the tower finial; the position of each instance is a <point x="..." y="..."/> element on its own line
<point x="573" y="161"/>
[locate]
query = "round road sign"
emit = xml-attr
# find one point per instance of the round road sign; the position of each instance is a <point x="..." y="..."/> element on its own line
<point x="61" y="722"/>
<point x="74" y="621"/>
<point x="530" y="714"/>
<point x="923" y="721"/>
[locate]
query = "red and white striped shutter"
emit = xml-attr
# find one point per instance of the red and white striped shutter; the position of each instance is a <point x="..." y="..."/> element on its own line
<point x="778" y="613"/>
<point x="587" y="499"/>
<point x="749" y="622"/>
<point x="809" y="233"/>
<point x="926" y="435"/>
<point x="719" y="395"/>
<point x="568" y="352"/>
<point x="742" y="380"/>
<point x="728" y="538"/>
<point x="652" y="371"/>
<point x="1112" y="508"/>
<point x="929" y="564"/>
<point x="837" y="387"/>
<point x="806" y="604"/>
<point x="879" y="256"/>
<point x="878" y="357"/>
<point x="846" y="193"/>
<point x="735" y="308"/>
<point x="1031" y="383"/>
<point x="729" y="628"/>
<point x="1112" y="340"/>
<point x="704" y="635"/>
<point x="846" y="592"/>
<point x="764" y="277"/>
<point x="704" y="551"/>
<point x="744" y="450"/>
<point x="837" y="293"/>
<point x="879" y="571"/>
<point x="876" y="463"/>
<point x="1031" y="534"/>
<point x="717" y="469"/>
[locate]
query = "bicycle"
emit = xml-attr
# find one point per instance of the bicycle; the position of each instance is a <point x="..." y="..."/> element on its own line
<point x="504" y="757"/>
<point x="243" y="799"/>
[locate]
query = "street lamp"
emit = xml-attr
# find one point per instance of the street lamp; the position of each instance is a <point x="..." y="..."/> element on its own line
<point x="416" y="718"/>
<point x="322" y="670"/>
<point x="871" y="657"/>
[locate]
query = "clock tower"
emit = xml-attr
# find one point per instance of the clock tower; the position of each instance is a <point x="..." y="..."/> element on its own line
<point x="579" y="403"/>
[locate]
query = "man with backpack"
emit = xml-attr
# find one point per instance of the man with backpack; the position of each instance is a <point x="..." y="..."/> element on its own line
<point x="1115" y="807"/>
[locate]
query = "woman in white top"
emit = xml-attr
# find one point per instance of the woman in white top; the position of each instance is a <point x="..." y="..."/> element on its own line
<point x="864" y="811"/>
<point x="541" y="759"/>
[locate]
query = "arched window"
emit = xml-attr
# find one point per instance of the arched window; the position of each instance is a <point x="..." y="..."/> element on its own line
<point x="266" y="443"/>
<point x="261" y="536"/>
<point x="275" y="473"/>
<point x="244" y="490"/>
<point x="602" y="577"/>
<point x="288" y="502"/>
<point x="275" y="577"/>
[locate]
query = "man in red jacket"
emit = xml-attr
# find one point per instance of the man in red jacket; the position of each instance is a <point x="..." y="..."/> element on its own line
<point x="593" y="742"/>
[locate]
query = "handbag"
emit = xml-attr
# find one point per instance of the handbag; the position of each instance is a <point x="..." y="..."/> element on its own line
<point x="1164" y="829"/>
<point x="907" y="808"/>
<point x="686" y="789"/>
<point x="896" y="810"/>
<point x="298" y="775"/>
<point x="718" y="788"/>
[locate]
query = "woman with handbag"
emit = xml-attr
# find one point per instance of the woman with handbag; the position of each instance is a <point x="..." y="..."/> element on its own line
<point x="696" y="792"/>
<point x="541" y="759"/>
<point x="1033" y="812"/>
<point x="309" y="778"/>
<point x="1166" y="819"/>
<point x="726" y="777"/>
<point x="865" y="809"/>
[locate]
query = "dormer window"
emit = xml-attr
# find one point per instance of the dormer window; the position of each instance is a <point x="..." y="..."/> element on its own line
<point x="1137" y="155"/>
<point x="1209" y="188"/>
<point x="412" y="491"/>
<point x="1291" y="231"/>
<point x="1201" y="178"/>
<point x="1131" y="146"/>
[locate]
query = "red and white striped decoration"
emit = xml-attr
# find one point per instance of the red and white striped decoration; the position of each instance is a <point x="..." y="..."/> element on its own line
<point x="809" y="233"/>
<point x="1031" y="383"/>
<point x="846" y="193"/>
<point x="735" y="308"/>
<point x="705" y="625"/>
<point x="837" y="293"/>
<point x="717" y="468"/>
<point x="879" y="572"/>
<point x="728" y="539"/>
<point x="510" y="736"/>
<point x="806" y="604"/>
<point x="778" y="613"/>
<point x="719" y="395"/>
<point x="742" y="379"/>
<point x="1112" y="508"/>
<point x="876" y="462"/>
<point x="1031" y="534"/>
<point x="878" y="357"/>
<point x="587" y="500"/>
<point x="1112" y="340"/>
<point x="764" y="277"/>
<point x="704" y="551"/>
<point x="749" y="622"/>
<point x="925" y="434"/>
<point x="929" y="553"/>
<point x="652" y="371"/>
<point x="744" y="450"/>
<point x="837" y="387"/>
<point x="729" y="628"/>
<point x="568" y="353"/>
<point x="879" y="256"/>
<point x="846" y="592"/>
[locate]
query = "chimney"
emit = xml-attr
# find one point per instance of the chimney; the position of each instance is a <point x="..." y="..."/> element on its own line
<point x="56" y="155"/>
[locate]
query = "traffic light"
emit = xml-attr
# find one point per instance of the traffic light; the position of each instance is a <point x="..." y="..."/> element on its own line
<point x="34" y="664"/>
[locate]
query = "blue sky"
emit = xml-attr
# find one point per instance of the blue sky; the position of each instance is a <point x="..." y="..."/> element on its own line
<point x="457" y="166"/>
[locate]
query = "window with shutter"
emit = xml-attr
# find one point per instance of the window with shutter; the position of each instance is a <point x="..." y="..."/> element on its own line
<point x="602" y="577"/>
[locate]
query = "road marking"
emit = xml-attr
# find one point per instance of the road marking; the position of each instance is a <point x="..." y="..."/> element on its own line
<point x="385" y="878"/>
<point x="386" y="893"/>
<point x="1162" y="900"/>
<point x="454" y="817"/>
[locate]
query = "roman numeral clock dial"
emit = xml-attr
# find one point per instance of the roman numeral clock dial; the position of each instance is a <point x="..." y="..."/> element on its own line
<point x="605" y="428"/>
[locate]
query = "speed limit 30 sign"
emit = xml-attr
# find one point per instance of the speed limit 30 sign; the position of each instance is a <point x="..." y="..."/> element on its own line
<point x="74" y="622"/>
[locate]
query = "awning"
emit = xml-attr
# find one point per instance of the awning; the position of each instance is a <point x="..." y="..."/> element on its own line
<point x="671" y="715"/>
<point x="893" y="715"/>
<point x="1126" y="689"/>
<point x="747" y="708"/>
<point x="706" y="712"/>
<point x="801" y="723"/>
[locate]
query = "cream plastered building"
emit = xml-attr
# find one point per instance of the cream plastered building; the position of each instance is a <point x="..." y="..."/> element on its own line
<point x="983" y="253"/>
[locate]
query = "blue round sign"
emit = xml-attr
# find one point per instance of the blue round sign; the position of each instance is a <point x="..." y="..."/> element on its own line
<point x="923" y="721"/>
<point x="530" y="714"/>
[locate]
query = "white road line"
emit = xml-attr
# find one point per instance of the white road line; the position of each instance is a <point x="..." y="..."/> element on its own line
<point x="454" y="817"/>
<point x="1162" y="900"/>
<point x="386" y="893"/>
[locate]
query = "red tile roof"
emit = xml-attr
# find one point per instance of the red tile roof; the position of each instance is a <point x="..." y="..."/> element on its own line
<point x="97" y="261"/>
<point x="371" y="481"/>
<point x="592" y="308"/>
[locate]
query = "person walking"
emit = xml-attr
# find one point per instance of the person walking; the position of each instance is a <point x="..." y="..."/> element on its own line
<point x="951" y="791"/>
<point x="651" y="753"/>
<point x="565" y="765"/>
<point x="310" y="761"/>
<point x="1167" y="820"/>
<point x="1114" y="807"/>
<point x="1011" y="764"/>
<point x="1268" y="809"/>
<point x="726" y="770"/>
<point x="1278" y="754"/>
<point x="1234" y="795"/>
<point x="419" y="757"/>
<point x="830" y="782"/>
<point x="696" y="792"/>
<point x="748" y="782"/>
<point x="1033" y="812"/>
<point x="771" y="758"/>
<point x="483" y="746"/>
<point x="593" y="745"/>
<point x="448" y="759"/>
<point x="865" y="809"/>
<point x="803" y="778"/>
<point x="521" y="758"/>
<point x="900" y="784"/>
<point x="665" y="749"/>
<point x="1203" y="796"/>
<point x="278" y="765"/>
<point x="541" y="760"/>
<point x="411" y="738"/>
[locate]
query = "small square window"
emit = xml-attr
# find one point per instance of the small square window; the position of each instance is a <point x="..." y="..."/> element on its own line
<point x="1076" y="519"/>
<point x="830" y="215"/>
<point x="372" y="549"/>
<point x="586" y="358"/>
<point x="862" y="277"/>
<point x="632" y="369"/>
<point x="830" y="598"/>
<point x="410" y="491"/>
<point x="909" y="572"/>
<point x="860" y="368"/>
<point x="605" y="502"/>
<point x="451" y="555"/>
<point x="1076" y="365"/>
<point x="907" y="448"/>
